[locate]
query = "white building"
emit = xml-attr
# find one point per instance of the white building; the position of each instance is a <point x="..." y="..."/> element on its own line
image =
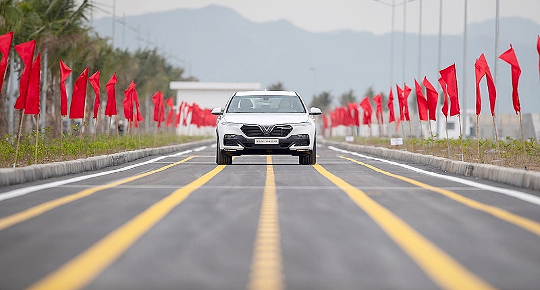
<point x="207" y="96"/>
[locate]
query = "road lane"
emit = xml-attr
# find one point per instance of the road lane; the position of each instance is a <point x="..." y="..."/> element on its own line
<point x="327" y="241"/>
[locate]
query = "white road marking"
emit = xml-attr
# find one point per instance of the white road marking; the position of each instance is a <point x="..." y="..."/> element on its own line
<point x="509" y="192"/>
<point x="30" y="189"/>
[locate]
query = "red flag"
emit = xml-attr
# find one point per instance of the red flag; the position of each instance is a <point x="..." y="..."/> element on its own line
<point x="65" y="71"/>
<point x="138" y="117"/>
<point x="325" y="121"/>
<point x="159" y="108"/>
<point x="400" y="102"/>
<point x="32" y="97"/>
<point x="196" y="115"/>
<point x="26" y="52"/>
<point x="78" y="100"/>
<point x="94" y="81"/>
<point x="110" y="109"/>
<point x="378" y="112"/>
<point x="333" y="120"/>
<point x="479" y="73"/>
<point x="538" y="49"/>
<point x="422" y="102"/>
<point x="449" y="76"/>
<point x="481" y="69"/>
<point x="406" y="92"/>
<point x="353" y="114"/>
<point x="445" y="94"/>
<point x="510" y="57"/>
<point x="368" y="110"/>
<point x="170" y="104"/>
<point x="128" y="102"/>
<point x="392" y="117"/>
<point x="5" y="45"/>
<point x="432" y="98"/>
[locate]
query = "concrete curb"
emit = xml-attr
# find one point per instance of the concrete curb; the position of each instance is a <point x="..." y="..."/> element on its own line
<point x="10" y="176"/>
<point x="516" y="177"/>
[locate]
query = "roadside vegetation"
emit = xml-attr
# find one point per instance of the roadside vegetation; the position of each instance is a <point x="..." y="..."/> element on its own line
<point x="51" y="149"/>
<point x="485" y="151"/>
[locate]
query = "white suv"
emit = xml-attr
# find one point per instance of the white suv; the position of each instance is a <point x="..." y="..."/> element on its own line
<point x="266" y="123"/>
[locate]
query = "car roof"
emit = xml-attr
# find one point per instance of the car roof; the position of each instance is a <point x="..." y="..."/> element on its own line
<point x="266" y="93"/>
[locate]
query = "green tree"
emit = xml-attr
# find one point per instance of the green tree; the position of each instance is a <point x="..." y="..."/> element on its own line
<point x="369" y="93"/>
<point x="322" y="101"/>
<point x="348" y="97"/>
<point x="276" y="87"/>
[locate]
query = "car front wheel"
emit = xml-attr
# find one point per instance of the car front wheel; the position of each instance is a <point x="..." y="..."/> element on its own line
<point x="222" y="159"/>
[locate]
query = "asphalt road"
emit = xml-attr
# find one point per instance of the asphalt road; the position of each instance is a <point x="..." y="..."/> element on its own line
<point x="349" y="222"/>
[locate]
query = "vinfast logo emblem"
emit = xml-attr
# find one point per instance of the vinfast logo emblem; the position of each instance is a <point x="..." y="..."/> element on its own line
<point x="266" y="129"/>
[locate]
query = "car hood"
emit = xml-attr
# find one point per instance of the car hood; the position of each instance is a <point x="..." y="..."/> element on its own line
<point x="266" y="118"/>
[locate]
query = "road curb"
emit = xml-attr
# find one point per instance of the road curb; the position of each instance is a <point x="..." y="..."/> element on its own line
<point x="512" y="176"/>
<point x="11" y="176"/>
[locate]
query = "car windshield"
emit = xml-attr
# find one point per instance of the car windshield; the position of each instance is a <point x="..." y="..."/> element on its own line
<point x="266" y="104"/>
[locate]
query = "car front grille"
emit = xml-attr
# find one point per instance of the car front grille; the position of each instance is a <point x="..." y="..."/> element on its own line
<point x="266" y="131"/>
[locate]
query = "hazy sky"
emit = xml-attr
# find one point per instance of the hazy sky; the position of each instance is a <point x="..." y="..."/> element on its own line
<point x="359" y="15"/>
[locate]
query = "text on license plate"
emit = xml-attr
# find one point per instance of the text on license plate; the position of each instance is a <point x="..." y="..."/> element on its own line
<point x="266" y="141"/>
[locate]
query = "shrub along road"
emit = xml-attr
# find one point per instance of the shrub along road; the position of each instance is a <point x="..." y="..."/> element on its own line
<point x="349" y="222"/>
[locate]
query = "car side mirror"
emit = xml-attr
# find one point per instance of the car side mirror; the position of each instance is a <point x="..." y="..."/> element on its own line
<point x="217" y="111"/>
<point x="315" y="111"/>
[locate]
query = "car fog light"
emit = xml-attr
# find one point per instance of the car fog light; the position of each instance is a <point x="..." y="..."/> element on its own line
<point x="303" y="136"/>
<point x="229" y="136"/>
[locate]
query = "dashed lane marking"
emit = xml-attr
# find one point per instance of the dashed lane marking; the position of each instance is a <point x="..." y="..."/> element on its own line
<point x="266" y="265"/>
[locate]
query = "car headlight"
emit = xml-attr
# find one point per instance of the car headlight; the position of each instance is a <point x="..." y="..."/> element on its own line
<point x="224" y="123"/>
<point x="302" y="124"/>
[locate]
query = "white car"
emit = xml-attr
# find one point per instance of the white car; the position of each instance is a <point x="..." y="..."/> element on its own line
<point x="266" y="123"/>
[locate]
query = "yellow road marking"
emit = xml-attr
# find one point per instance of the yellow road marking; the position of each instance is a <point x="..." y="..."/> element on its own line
<point x="438" y="265"/>
<point x="266" y="264"/>
<point x="50" y="205"/>
<point x="525" y="223"/>
<point x="84" y="268"/>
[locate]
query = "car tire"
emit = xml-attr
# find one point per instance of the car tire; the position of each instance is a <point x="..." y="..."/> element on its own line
<point x="222" y="159"/>
<point x="313" y="155"/>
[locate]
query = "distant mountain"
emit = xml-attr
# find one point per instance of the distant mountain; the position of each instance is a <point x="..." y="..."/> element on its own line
<point x="216" y="44"/>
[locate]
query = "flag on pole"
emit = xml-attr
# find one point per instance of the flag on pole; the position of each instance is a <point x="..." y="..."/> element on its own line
<point x="138" y="118"/>
<point x="406" y="92"/>
<point x="65" y="71"/>
<point x="78" y="100"/>
<point x="26" y="52"/>
<point x="432" y="99"/>
<point x="481" y="69"/>
<point x="368" y="110"/>
<point x="421" y="101"/>
<point x="450" y="79"/>
<point x="94" y="81"/>
<point x="128" y="102"/>
<point x="5" y="45"/>
<point x="378" y="112"/>
<point x="32" y="97"/>
<point x="353" y="114"/>
<point x="110" y="108"/>
<point x="170" y="115"/>
<point x="538" y="49"/>
<point x="510" y="57"/>
<point x="445" y="94"/>
<point x="390" y="106"/>
<point x="159" y="108"/>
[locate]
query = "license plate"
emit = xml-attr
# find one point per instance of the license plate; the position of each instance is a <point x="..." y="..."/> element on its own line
<point x="266" y="141"/>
